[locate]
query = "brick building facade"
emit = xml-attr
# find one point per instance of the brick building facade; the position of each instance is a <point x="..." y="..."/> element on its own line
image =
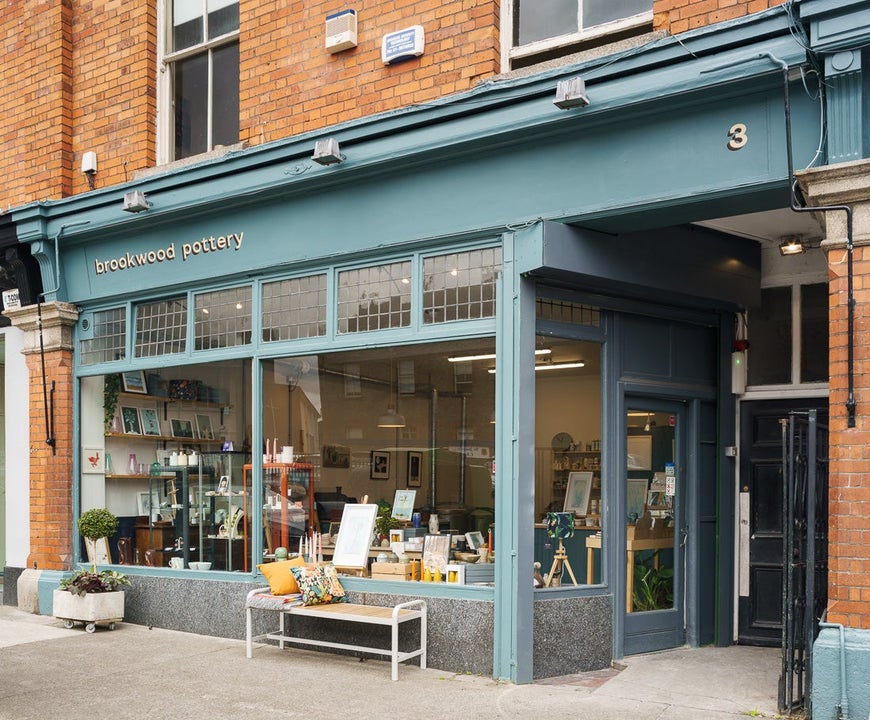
<point x="105" y="78"/>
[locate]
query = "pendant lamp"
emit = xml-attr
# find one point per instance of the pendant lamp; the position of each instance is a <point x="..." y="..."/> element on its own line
<point x="391" y="419"/>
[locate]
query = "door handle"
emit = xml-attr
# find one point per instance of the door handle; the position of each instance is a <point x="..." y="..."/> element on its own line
<point x="684" y="535"/>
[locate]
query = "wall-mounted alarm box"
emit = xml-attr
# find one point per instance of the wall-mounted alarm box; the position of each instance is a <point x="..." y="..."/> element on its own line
<point x="403" y="45"/>
<point x="341" y="31"/>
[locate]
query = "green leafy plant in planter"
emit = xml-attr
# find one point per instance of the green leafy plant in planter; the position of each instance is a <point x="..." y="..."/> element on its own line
<point x="384" y="522"/>
<point x="88" y="595"/>
<point x="653" y="587"/>
<point x="97" y="523"/>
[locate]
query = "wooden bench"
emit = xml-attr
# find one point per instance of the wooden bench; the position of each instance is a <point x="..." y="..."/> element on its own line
<point x="261" y="599"/>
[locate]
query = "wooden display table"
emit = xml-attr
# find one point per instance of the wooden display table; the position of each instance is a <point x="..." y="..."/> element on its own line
<point x="632" y="545"/>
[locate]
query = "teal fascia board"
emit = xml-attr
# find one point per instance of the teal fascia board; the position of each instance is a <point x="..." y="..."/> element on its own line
<point x="837" y="24"/>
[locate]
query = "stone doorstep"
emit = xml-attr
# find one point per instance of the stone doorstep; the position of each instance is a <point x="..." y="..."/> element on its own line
<point x="592" y="679"/>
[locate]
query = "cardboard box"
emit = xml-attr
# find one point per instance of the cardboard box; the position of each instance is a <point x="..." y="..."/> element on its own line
<point x="395" y="571"/>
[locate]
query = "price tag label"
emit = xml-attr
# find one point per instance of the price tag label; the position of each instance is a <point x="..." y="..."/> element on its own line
<point x="670" y="485"/>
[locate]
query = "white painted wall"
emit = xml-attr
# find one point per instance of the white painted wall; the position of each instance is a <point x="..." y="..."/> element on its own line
<point x="17" y="436"/>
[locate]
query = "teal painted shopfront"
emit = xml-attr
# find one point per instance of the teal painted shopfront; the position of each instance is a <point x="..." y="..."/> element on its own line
<point x="525" y="286"/>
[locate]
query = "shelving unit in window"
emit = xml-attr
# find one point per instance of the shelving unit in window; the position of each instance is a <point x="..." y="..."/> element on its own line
<point x="564" y="462"/>
<point x="148" y="428"/>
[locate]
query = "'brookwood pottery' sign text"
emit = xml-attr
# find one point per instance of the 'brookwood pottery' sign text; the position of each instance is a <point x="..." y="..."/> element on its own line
<point x="188" y="250"/>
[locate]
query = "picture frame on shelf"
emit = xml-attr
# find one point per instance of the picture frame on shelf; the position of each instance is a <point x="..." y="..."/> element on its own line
<point x="577" y="493"/>
<point x="475" y="540"/>
<point x="635" y="496"/>
<point x="93" y="461"/>
<point x="204" y="427"/>
<point x="150" y="421"/>
<point x="380" y="465"/>
<point x="355" y="535"/>
<point x="403" y="504"/>
<point x="436" y="551"/>
<point x="130" y="423"/>
<point x="133" y="381"/>
<point x="181" y="428"/>
<point x="335" y="456"/>
<point x="146" y="502"/>
<point x="415" y="465"/>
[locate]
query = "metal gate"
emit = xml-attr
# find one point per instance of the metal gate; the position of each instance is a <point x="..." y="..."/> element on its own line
<point x="805" y="552"/>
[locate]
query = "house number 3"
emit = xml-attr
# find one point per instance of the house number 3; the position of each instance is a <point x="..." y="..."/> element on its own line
<point x="738" y="136"/>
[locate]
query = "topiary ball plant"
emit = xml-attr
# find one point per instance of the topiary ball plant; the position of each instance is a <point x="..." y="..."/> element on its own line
<point x="97" y="523"/>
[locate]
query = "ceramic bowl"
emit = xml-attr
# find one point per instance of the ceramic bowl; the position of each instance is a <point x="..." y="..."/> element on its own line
<point x="468" y="557"/>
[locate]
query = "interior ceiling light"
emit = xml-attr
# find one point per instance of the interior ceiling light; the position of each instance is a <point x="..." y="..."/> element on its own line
<point x="391" y="419"/>
<point x="468" y="358"/>
<point x="791" y="245"/>
<point x="552" y="366"/>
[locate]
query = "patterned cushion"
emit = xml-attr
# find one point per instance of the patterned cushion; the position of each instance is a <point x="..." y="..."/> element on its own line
<point x="279" y="577"/>
<point x="319" y="585"/>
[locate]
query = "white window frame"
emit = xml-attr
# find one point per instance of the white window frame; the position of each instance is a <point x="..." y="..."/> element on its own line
<point x="511" y="53"/>
<point x="165" y="95"/>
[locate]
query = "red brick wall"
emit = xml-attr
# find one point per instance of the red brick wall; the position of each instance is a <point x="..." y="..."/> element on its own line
<point x="849" y="496"/>
<point x="677" y="16"/>
<point x="80" y="77"/>
<point x="51" y="529"/>
<point x="35" y="135"/>
<point x="290" y="84"/>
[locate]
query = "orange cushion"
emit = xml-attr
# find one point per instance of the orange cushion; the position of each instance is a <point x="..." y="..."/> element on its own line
<point x="280" y="578"/>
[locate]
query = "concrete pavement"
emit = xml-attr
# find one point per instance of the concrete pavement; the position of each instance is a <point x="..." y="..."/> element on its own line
<point x="49" y="672"/>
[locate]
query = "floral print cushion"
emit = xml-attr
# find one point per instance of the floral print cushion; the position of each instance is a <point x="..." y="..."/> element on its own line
<point x="319" y="585"/>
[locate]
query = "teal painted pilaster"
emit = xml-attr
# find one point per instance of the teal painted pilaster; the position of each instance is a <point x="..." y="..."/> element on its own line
<point x="514" y="521"/>
<point x="844" y="106"/>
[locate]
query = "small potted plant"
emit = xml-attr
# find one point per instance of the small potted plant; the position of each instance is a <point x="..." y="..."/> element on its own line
<point x="384" y="522"/>
<point x="88" y="595"/>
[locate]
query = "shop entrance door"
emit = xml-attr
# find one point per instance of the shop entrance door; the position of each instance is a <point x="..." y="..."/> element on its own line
<point x="655" y="526"/>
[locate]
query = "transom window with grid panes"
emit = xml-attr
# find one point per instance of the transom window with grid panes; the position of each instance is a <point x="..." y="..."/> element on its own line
<point x="460" y="286"/>
<point x="200" y="88"/>
<point x="541" y="27"/>
<point x="294" y="308"/>
<point x="222" y="318"/>
<point x="374" y="298"/>
<point x="161" y="327"/>
<point x="107" y="331"/>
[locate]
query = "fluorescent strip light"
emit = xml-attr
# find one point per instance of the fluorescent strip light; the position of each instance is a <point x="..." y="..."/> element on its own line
<point x="468" y="358"/>
<point x="553" y="366"/>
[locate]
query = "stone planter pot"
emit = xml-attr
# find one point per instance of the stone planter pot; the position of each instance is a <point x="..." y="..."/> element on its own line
<point x="90" y="609"/>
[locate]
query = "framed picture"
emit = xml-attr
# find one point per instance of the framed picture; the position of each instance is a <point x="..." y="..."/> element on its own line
<point x="335" y="456"/>
<point x="354" y="536"/>
<point x="635" y="496"/>
<point x="223" y="485"/>
<point x="203" y="427"/>
<point x="150" y="421"/>
<point x="380" y="468"/>
<point x="577" y="493"/>
<point x="133" y="381"/>
<point x="147" y="503"/>
<point x="130" y="420"/>
<point x="436" y="551"/>
<point x="181" y="428"/>
<point x="475" y="540"/>
<point x="403" y="504"/>
<point x="93" y="460"/>
<point x="415" y="463"/>
<point x="639" y="452"/>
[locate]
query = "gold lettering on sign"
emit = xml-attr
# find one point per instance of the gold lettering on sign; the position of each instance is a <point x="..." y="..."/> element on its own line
<point x="130" y="261"/>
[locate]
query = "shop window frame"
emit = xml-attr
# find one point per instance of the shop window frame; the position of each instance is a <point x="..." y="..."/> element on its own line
<point x="516" y="54"/>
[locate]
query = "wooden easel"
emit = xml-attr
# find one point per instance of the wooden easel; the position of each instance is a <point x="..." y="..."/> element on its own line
<point x="560" y="561"/>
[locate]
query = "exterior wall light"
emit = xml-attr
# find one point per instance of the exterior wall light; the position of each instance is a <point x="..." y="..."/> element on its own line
<point x="571" y="93"/>
<point x="327" y="152"/>
<point x="791" y="245"/>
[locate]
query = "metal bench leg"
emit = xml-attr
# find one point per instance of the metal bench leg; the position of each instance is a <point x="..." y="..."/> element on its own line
<point x="249" y="644"/>
<point x="423" y="639"/>
<point x="394" y="655"/>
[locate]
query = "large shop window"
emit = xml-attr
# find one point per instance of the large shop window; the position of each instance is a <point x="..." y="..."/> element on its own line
<point x="202" y="54"/>
<point x="165" y="451"/>
<point x="568" y="480"/>
<point x="542" y="27"/>
<point x="169" y="451"/>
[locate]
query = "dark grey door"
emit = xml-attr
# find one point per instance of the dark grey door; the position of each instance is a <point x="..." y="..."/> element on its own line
<point x="761" y="488"/>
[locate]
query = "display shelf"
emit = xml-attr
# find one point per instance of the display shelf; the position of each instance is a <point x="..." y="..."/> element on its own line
<point x="280" y="506"/>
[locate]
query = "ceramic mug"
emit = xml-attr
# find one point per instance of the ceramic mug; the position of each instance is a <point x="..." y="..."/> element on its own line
<point x="176" y="562"/>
